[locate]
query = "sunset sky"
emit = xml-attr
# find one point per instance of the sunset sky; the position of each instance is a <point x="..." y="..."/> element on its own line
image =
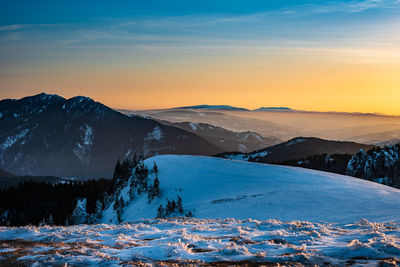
<point x="309" y="55"/>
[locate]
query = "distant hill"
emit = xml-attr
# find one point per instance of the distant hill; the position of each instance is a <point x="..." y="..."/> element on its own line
<point x="273" y="109"/>
<point x="298" y="148"/>
<point x="227" y="140"/>
<point x="234" y="122"/>
<point x="213" y="107"/>
<point x="48" y="135"/>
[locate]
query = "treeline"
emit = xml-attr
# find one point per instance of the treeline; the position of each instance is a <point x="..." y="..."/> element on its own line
<point x="172" y="208"/>
<point x="336" y="163"/>
<point x="381" y="165"/>
<point x="6" y="181"/>
<point x="77" y="202"/>
<point x="36" y="203"/>
<point x="44" y="202"/>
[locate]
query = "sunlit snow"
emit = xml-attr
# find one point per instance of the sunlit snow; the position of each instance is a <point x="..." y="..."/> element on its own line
<point x="199" y="241"/>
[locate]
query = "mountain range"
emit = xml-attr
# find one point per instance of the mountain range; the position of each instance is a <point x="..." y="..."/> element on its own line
<point x="212" y="107"/>
<point x="286" y="124"/>
<point x="78" y="137"/>
<point x="227" y="140"/>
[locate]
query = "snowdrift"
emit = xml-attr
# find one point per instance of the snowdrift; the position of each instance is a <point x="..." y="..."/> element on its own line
<point x="220" y="188"/>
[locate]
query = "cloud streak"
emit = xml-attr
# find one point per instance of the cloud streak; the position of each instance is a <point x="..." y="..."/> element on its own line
<point x="13" y="27"/>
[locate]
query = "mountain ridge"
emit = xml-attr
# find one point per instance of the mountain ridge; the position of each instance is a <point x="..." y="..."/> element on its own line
<point x="297" y="148"/>
<point x="79" y="137"/>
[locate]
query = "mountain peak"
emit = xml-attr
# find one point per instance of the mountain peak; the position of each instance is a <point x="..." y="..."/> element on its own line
<point x="81" y="99"/>
<point x="42" y="97"/>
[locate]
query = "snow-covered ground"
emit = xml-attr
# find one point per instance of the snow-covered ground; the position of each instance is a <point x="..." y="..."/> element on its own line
<point x="221" y="188"/>
<point x="244" y="213"/>
<point x="202" y="241"/>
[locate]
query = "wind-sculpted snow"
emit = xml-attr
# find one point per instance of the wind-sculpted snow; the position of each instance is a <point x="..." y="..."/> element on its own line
<point x="203" y="241"/>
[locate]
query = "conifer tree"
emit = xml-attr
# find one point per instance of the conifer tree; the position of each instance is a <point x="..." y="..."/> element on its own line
<point x="154" y="190"/>
<point x="160" y="212"/>
<point x="155" y="168"/>
<point x="189" y="214"/>
<point x="179" y="205"/>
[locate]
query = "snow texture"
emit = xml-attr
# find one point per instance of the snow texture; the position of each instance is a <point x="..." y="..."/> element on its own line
<point x="201" y="241"/>
<point x="296" y="141"/>
<point x="156" y="134"/>
<point x="194" y="126"/>
<point x="82" y="150"/>
<point x="11" y="140"/>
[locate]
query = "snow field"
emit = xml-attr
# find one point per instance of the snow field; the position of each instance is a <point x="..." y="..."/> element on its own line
<point x="201" y="241"/>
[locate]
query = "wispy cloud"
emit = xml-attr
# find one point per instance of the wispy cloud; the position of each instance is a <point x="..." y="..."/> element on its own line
<point x="356" y="6"/>
<point x="13" y="27"/>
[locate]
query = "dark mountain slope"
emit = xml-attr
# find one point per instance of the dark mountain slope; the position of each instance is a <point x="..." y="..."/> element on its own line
<point x="298" y="148"/>
<point x="49" y="135"/>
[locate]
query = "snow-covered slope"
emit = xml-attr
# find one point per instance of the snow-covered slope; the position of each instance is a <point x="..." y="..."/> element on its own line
<point x="220" y="188"/>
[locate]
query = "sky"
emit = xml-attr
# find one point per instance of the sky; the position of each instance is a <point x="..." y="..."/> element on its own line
<point x="308" y="55"/>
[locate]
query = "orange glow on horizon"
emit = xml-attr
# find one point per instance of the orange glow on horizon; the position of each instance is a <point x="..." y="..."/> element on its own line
<point x="299" y="82"/>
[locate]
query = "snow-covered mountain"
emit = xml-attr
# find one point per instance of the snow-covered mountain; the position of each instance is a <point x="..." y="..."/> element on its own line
<point x="220" y="188"/>
<point x="78" y="137"/>
<point x="227" y="140"/>
<point x="297" y="148"/>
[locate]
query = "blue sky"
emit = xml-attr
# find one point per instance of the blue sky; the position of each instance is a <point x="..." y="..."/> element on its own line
<point x="45" y="45"/>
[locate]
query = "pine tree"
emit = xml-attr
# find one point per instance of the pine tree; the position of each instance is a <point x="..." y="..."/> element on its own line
<point x="155" y="168"/>
<point x="99" y="208"/>
<point x="140" y="176"/>
<point x="179" y="205"/>
<point x="189" y="214"/>
<point x="118" y="207"/>
<point x="154" y="190"/>
<point x="160" y="212"/>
